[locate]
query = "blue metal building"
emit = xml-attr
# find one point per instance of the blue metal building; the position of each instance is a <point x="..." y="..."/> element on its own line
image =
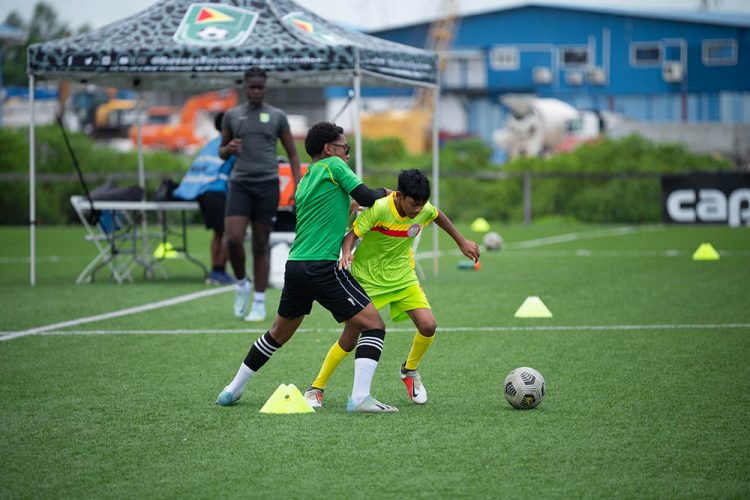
<point x="646" y="65"/>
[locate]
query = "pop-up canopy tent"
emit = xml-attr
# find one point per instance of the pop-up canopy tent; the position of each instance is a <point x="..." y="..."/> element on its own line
<point x="180" y="44"/>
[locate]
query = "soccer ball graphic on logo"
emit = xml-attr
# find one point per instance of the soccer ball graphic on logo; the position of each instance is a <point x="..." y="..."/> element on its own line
<point x="213" y="34"/>
<point x="493" y="241"/>
<point x="524" y="388"/>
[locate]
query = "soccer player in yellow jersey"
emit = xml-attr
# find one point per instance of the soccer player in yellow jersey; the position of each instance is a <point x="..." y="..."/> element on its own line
<point x="384" y="265"/>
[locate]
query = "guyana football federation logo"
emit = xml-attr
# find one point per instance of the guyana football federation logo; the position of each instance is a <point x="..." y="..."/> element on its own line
<point x="210" y="24"/>
<point x="305" y="25"/>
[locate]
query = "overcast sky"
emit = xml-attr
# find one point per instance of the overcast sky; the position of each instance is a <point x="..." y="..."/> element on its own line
<point x="366" y="14"/>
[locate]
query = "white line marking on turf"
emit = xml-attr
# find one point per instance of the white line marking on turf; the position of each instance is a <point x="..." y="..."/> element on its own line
<point x="53" y="328"/>
<point x="565" y="238"/>
<point x="117" y="314"/>
<point x="455" y="329"/>
<point x="551" y="240"/>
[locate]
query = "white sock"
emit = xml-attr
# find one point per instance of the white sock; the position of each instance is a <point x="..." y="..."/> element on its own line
<point x="259" y="297"/>
<point x="243" y="283"/>
<point x="364" y="370"/>
<point x="237" y="386"/>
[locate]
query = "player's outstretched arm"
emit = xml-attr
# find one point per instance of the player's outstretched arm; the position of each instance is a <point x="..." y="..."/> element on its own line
<point x="347" y="246"/>
<point x="469" y="248"/>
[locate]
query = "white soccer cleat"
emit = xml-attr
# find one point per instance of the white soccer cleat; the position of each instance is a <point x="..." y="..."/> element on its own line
<point x="369" y="405"/>
<point x="314" y="397"/>
<point x="241" y="300"/>
<point x="257" y="312"/>
<point x="413" y="383"/>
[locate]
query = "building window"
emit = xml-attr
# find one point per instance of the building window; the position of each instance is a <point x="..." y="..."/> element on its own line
<point x="504" y="58"/>
<point x="720" y="52"/>
<point x="645" y="54"/>
<point x="465" y="69"/>
<point x="572" y="57"/>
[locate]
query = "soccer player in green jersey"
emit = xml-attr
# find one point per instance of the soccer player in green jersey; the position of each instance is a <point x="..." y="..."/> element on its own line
<point x="384" y="265"/>
<point x="312" y="272"/>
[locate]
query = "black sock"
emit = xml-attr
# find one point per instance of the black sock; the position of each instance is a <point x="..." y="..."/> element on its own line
<point x="261" y="351"/>
<point x="370" y="344"/>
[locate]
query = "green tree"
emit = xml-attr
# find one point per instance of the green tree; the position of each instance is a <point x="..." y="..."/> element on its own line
<point x="44" y="25"/>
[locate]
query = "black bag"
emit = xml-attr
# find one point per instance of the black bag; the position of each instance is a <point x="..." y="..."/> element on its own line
<point x="108" y="192"/>
<point x="165" y="190"/>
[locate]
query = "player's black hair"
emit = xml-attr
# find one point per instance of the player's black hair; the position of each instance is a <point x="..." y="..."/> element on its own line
<point x="414" y="184"/>
<point x="255" y="72"/>
<point x="319" y="135"/>
<point x="217" y="121"/>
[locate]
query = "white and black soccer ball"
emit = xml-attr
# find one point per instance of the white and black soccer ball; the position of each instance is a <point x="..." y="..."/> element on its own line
<point x="492" y="241"/>
<point x="524" y="388"/>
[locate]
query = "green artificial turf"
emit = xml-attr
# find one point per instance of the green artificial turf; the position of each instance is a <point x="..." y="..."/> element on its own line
<point x="646" y="359"/>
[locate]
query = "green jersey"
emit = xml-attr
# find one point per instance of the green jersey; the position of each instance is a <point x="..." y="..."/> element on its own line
<point x="322" y="200"/>
<point x="384" y="260"/>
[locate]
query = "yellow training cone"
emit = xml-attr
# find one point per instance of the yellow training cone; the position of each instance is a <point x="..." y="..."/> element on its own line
<point x="165" y="251"/>
<point x="533" y="307"/>
<point x="480" y="225"/>
<point x="286" y="399"/>
<point x="706" y="251"/>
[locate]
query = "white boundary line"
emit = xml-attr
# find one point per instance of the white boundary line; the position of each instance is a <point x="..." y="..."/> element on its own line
<point x="117" y="314"/>
<point x="551" y="240"/>
<point x="54" y="329"/>
<point x="454" y="329"/>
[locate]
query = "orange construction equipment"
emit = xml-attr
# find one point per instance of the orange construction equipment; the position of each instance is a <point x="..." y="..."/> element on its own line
<point x="193" y="127"/>
<point x="413" y="126"/>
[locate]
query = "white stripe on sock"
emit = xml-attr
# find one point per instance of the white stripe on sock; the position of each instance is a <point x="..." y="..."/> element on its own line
<point x="378" y="344"/>
<point x="263" y="346"/>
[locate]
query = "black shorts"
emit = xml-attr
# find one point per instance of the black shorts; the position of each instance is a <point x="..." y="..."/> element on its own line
<point x="259" y="201"/>
<point x="213" y="205"/>
<point x="306" y="281"/>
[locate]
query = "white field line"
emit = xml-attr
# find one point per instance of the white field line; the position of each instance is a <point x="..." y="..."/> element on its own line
<point x="55" y="327"/>
<point x="551" y="240"/>
<point x="566" y="238"/>
<point x="448" y="329"/>
<point x="117" y="314"/>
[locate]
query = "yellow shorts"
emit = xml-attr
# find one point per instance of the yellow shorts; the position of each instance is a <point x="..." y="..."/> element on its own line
<point x="406" y="299"/>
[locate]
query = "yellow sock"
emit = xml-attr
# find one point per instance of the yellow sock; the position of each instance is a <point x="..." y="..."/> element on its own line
<point x="335" y="355"/>
<point x="418" y="348"/>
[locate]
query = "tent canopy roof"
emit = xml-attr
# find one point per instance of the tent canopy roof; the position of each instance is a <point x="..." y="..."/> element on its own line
<point x="180" y="44"/>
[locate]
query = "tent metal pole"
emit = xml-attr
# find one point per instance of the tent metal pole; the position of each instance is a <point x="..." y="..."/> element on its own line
<point x="435" y="170"/>
<point x="141" y="169"/>
<point x="32" y="184"/>
<point x="139" y="140"/>
<point x="357" y="120"/>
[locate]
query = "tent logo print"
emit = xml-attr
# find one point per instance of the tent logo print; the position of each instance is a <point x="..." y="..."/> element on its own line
<point x="304" y="24"/>
<point x="210" y="24"/>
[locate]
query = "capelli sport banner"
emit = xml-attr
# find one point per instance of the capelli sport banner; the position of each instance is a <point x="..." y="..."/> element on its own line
<point x="710" y="198"/>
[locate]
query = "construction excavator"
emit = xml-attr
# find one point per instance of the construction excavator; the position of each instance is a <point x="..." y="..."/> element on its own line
<point x="102" y="112"/>
<point x="185" y="130"/>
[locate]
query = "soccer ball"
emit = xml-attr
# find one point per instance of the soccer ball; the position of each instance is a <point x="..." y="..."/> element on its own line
<point x="493" y="241"/>
<point x="524" y="388"/>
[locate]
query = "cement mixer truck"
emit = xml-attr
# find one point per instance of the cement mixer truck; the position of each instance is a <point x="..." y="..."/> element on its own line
<point x="539" y="126"/>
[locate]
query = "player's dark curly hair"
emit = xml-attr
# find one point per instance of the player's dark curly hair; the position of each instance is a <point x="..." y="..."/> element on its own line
<point x="255" y="72"/>
<point x="414" y="184"/>
<point x="319" y="135"/>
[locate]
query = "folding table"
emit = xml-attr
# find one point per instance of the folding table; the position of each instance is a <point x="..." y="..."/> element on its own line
<point x="121" y="244"/>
